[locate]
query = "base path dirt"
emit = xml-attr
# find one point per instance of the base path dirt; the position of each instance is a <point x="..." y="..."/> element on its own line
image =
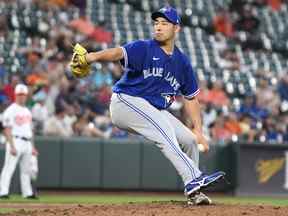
<point x="145" y="209"/>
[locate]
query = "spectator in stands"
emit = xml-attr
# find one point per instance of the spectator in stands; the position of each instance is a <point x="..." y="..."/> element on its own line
<point x="99" y="100"/>
<point x="259" y="3"/>
<point x="33" y="62"/>
<point x="248" y="132"/>
<point x="83" y="25"/>
<point x="280" y="128"/>
<point x="101" y="76"/>
<point x="51" y="91"/>
<point x="3" y="98"/>
<point x="219" y="133"/>
<point x="267" y="97"/>
<point x="71" y="92"/>
<point x="35" y="69"/>
<point x="56" y="68"/>
<point x="85" y="127"/>
<point x="63" y="41"/>
<point x="232" y="124"/>
<point x="250" y="108"/>
<point x="222" y="23"/>
<point x="104" y="95"/>
<point x="60" y="3"/>
<point x="251" y="42"/>
<point x="101" y="34"/>
<point x="3" y="26"/>
<point x="8" y="89"/>
<point x="55" y="126"/>
<point x="237" y="5"/>
<point x="209" y="115"/>
<point x="70" y="117"/>
<point x="247" y="21"/>
<point x="39" y="112"/>
<point x="247" y="25"/>
<point x="103" y="122"/>
<point x="80" y="4"/>
<point x="271" y="131"/>
<point x="229" y="60"/>
<point x="219" y="42"/>
<point x="275" y="4"/>
<point x="283" y="87"/>
<point x="217" y="96"/>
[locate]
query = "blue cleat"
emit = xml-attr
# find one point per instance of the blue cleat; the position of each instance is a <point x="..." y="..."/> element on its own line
<point x="202" y="181"/>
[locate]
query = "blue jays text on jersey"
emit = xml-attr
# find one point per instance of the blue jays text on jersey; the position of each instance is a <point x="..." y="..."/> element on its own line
<point x="155" y="76"/>
<point x="158" y="72"/>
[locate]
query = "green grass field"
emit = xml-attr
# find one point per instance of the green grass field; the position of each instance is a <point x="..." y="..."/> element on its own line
<point x="126" y="198"/>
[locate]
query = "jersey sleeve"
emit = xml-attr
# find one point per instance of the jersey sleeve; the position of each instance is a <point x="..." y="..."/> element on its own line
<point x="7" y="119"/>
<point x="189" y="87"/>
<point x="134" y="54"/>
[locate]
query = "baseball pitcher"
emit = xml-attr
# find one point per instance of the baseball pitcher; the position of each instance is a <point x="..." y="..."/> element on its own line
<point x="155" y="71"/>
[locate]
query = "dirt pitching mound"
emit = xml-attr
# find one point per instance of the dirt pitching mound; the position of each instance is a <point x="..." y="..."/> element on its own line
<point x="148" y="209"/>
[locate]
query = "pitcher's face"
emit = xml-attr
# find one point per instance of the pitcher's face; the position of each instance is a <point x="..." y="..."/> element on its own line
<point x="164" y="30"/>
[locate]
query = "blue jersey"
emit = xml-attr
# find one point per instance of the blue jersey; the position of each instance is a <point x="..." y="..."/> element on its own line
<point x="155" y="76"/>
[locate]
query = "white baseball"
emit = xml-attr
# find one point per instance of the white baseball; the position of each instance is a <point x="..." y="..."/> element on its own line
<point x="201" y="147"/>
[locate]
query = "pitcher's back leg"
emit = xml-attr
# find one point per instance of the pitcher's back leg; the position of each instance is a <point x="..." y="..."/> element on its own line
<point x="185" y="137"/>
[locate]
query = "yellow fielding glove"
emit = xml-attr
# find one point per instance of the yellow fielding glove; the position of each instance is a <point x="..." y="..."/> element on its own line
<point x="79" y="65"/>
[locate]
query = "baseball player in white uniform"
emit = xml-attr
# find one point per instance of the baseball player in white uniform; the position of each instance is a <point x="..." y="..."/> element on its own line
<point x="17" y="122"/>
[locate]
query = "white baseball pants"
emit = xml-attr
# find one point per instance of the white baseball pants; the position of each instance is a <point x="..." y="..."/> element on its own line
<point x="170" y="135"/>
<point x="24" y="155"/>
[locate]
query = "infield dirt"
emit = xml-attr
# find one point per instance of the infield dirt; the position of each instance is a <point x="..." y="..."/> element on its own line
<point x="144" y="209"/>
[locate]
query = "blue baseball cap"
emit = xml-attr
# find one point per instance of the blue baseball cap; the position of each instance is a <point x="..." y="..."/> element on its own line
<point x="168" y="13"/>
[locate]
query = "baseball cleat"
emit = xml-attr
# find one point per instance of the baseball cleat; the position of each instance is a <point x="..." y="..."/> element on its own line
<point x="198" y="198"/>
<point x="202" y="181"/>
<point x="33" y="197"/>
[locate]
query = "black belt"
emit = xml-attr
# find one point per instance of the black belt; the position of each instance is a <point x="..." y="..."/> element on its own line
<point x="23" y="138"/>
